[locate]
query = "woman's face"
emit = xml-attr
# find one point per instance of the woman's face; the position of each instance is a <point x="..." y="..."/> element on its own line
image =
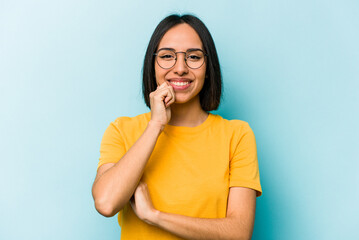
<point x="186" y="82"/>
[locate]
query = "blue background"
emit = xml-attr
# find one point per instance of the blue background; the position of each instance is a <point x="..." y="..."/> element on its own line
<point x="69" y="68"/>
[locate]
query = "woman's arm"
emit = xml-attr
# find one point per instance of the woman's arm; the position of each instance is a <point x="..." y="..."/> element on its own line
<point x="238" y="223"/>
<point x="115" y="183"/>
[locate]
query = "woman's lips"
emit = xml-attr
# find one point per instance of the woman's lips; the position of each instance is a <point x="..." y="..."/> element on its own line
<point x="180" y="84"/>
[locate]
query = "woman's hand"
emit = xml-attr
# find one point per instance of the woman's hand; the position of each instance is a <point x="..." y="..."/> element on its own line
<point x="160" y="101"/>
<point x="141" y="204"/>
<point x="238" y="223"/>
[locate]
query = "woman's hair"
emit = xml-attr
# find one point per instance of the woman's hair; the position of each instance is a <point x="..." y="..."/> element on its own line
<point x="210" y="94"/>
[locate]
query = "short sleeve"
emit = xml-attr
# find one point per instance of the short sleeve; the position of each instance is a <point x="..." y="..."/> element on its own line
<point x="244" y="171"/>
<point x="112" y="145"/>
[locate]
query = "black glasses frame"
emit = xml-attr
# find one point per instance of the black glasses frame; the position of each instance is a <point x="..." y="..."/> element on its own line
<point x="185" y="58"/>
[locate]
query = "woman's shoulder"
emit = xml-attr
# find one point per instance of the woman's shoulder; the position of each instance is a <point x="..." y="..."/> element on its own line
<point x="125" y="122"/>
<point x="236" y="130"/>
<point x="232" y="124"/>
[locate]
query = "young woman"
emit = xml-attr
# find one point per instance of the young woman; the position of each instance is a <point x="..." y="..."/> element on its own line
<point x="179" y="172"/>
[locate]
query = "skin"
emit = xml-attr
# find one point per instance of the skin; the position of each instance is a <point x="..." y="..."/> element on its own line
<point x="115" y="184"/>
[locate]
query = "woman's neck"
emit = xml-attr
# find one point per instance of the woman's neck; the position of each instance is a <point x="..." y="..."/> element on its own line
<point x="188" y="114"/>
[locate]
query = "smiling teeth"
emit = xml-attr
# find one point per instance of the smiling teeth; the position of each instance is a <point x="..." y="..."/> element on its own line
<point x="180" y="83"/>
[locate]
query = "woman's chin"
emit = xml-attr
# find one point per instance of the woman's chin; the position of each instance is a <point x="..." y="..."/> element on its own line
<point x="185" y="99"/>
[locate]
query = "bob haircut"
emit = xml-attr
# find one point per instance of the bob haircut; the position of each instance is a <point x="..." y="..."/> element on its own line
<point x="210" y="94"/>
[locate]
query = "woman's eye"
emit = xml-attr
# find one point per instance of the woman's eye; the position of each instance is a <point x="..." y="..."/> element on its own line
<point x="167" y="56"/>
<point x="194" y="57"/>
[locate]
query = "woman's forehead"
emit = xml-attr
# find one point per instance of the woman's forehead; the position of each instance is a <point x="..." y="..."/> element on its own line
<point x="181" y="37"/>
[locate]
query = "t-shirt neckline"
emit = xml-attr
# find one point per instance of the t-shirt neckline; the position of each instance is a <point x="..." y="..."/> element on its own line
<point x="182" y="129"/>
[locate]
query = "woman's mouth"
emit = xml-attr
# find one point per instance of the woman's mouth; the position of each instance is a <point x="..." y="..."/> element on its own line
<point x="180" y="84"/>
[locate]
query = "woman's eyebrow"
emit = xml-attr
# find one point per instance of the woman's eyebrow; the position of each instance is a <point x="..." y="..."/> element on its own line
<point x="194" y="49"/>
<point x="172" y="49"/>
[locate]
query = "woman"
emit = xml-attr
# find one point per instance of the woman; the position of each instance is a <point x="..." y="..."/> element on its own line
<point x="179" y="172"/>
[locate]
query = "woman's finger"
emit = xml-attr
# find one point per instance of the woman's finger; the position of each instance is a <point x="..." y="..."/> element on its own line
<point x="172" y="99"/>
<point x="173" y="92"/>
<point x="162" y="86"/>
<point x="167" y="100"/>
<point x="170" y="102"/>
<point x="164" y="93"/>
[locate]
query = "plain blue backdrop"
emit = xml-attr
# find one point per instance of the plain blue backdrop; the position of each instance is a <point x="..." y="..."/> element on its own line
<point x="69" y="68"/>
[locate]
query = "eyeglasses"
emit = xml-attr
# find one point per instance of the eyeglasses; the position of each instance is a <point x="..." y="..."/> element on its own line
<point x="167" y="58"/>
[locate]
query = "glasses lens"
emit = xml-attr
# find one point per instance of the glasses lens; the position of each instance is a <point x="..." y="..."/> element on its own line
<point x="195" y="58"/>
<point x="166" y="58"/>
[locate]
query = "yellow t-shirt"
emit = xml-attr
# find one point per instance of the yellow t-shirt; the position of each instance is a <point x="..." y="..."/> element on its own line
<point x="190" y="170"/>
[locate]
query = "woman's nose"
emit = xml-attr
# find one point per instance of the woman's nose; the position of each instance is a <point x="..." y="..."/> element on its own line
<point x="181" y="67"/>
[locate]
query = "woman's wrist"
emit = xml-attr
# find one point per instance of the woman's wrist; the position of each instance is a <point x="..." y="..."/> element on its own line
<point x="153" y="218"/>
<point x="155" y="126"/>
